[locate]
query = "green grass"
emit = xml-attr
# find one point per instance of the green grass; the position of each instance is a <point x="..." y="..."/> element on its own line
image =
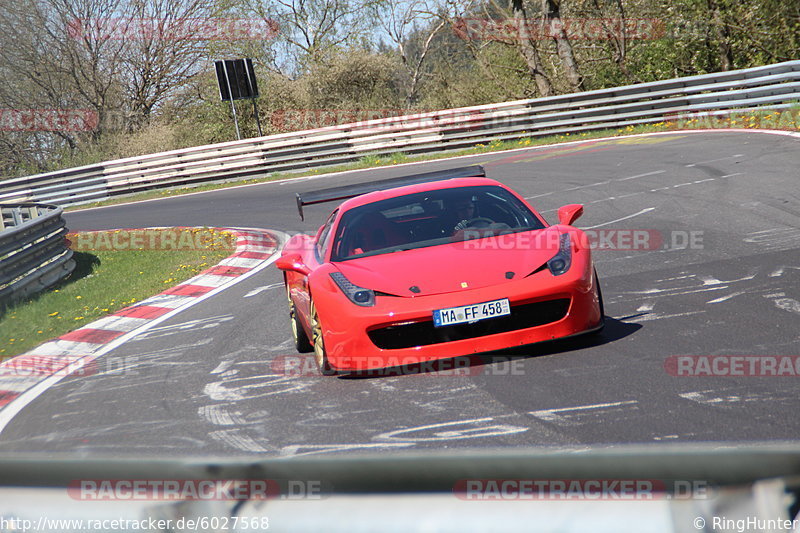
<point x="102" y="283"/>
<point x="787" y="120"/>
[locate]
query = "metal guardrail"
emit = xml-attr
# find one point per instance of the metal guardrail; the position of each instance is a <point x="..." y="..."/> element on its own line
<point x="769" y="87"/>
<point x="33" y="251"/>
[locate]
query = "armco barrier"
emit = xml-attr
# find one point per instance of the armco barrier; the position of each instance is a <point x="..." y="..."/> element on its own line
<point x="769" y="87"/>
<point x="33" y="251"/>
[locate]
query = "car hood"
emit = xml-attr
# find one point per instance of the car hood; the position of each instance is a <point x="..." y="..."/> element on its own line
<point x="454" y="266"/>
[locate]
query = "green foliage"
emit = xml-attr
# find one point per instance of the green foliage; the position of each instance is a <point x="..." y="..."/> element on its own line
<point x="360" y="77"/>
<point x="354" y="80"/>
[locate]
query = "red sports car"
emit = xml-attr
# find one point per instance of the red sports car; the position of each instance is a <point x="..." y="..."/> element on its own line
<point x="435" y="266"/>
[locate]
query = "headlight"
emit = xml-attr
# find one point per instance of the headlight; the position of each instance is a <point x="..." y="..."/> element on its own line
<point x="357" y="295"/>
<point x="561" y="262"/>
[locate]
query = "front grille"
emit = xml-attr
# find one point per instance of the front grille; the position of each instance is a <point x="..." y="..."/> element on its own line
<point x="424" y="333"/>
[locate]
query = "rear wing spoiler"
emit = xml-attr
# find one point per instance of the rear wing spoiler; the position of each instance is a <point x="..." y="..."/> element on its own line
<point x="351" y="191"/>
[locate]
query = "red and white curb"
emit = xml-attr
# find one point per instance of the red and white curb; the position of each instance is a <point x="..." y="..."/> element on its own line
<point x="26" y="376"/>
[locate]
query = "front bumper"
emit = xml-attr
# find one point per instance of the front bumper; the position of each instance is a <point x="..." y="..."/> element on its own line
<point x="354" y="335"/>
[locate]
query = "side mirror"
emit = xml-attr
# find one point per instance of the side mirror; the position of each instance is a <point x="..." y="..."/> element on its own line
<point x="293" y="263"/>
<point x="569" y="213"/>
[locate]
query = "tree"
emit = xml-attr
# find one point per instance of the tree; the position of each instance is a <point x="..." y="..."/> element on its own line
<point x="551" y="12"/>
<point x="173" y="48"/>
<point x="527" y="48"/>
<point x="311" y="31"/>
<point x="411" y="27"/>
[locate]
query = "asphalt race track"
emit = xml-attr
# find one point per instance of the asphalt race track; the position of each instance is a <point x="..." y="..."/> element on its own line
<point x="720" y="276"/>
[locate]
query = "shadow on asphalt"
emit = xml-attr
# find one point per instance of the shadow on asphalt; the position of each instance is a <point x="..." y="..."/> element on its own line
<point x="471" y="364"/>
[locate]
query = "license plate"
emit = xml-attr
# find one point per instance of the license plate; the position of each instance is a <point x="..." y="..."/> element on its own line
<point x="471" y="313"/>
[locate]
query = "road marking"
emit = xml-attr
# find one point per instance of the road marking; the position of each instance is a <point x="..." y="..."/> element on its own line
<point x="722" y="398"/>
<point x="656" y="316"/>
<point x="667" y="437"/>
<point x="282" y="347"/>
<point x="711" y="280"/>
<point x="676" y="277"/>
<point x="477" y="431"/>
<point x="714" y="160"/>
<point x="294" y="449"/>
<point x="725" y="298"/>
<point x="643" y="211"/>
<point x="787" y="304"/>
<point x="783" y="238"/>
<point x="263" y="288"/>
<point x="557" y="416"/>
<point x="586" y="407"/>
<point x="237" y="388"/>
<point x="193" y="325"/>
<point x="653" y="173"/>
<point x="778" y="272"/>
<point x="655" y="293"/>
<point x="642" y="175"/>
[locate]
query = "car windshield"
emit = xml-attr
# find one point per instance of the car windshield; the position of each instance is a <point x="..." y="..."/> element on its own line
<point x="430" y="218"/>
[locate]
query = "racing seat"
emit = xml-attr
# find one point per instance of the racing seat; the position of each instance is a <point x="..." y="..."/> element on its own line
<point x="373" y="232"/>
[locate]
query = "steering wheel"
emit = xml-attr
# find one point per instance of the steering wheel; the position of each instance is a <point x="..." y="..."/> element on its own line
<point x="478" y="222"/>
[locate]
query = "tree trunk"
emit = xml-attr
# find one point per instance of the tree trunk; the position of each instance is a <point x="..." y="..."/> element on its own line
<point x="527" y="48"/>
<point x="552" y="14"/>
<point x="724" y="50"/>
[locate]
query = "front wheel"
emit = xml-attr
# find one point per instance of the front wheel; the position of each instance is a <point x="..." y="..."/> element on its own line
<point x="602" y="323"/>
<point x="301" y="342"/>
<point x="319" y="344"/>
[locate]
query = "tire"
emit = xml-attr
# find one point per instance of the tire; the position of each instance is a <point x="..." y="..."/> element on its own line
<point x="301" y="342"/>
<point x="602" y="324"/>
<point x="319" y="344"/>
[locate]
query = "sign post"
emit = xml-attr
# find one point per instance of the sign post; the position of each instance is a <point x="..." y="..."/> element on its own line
<point x="237" y="81"/>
